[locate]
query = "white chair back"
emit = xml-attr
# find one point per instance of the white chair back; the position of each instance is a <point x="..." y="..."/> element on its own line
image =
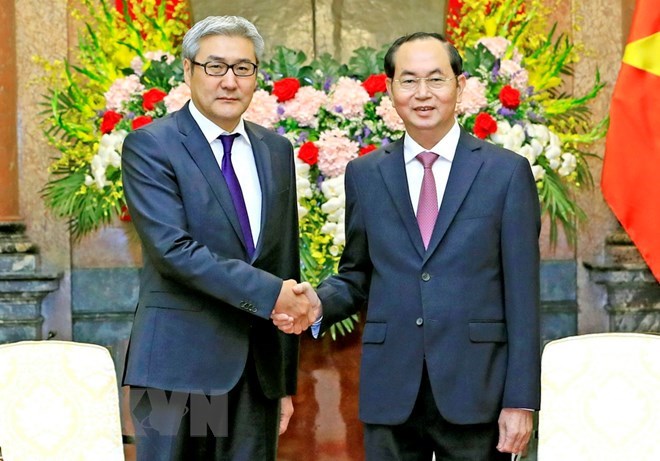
<point x="58" y="402"/>
<point x="600" y="398"/>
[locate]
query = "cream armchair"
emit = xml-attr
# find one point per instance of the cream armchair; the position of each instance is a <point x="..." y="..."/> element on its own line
<point x="600" y="398"/>
<point x="58" y="401"/>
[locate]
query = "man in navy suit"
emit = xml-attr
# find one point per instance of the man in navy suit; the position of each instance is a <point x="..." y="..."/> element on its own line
<point x="450" y="348"/>
<point x="213" y="199"/>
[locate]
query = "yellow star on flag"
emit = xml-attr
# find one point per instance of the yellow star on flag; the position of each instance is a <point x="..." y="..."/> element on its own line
<point x="644" y="54"/>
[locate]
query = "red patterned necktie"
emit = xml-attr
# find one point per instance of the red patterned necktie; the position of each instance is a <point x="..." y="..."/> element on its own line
<point x="427" y="208"/>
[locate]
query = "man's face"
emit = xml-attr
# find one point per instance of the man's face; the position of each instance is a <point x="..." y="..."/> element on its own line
<point x="427" y="113"/>
<point x="221" y="99"/>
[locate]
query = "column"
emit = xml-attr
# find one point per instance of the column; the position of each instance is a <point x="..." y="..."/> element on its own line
<point x="8" y="157"/>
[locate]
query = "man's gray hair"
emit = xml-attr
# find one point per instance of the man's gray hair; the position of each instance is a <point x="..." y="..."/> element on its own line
<point x="232" y="26"/>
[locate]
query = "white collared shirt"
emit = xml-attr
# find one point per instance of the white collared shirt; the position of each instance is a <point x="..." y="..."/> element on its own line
<point x="445" y="148"/>
<point x="242" y="158"/>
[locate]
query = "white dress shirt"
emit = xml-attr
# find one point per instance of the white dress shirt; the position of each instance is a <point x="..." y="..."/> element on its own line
<point x="242" y="158"/>
<point x="445" y="148"/>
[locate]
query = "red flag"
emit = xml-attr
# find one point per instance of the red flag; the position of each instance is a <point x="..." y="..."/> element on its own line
<point x="631" y="169"/>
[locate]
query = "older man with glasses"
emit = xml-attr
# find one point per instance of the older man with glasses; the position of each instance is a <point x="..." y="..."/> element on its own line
<point x="442" y="245"/>
<point x="213" y="199"/>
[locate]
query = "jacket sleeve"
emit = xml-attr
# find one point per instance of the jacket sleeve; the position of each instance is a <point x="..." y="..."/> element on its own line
<point x="520" y="268"/>
<point x="158" y="210"/>
<point x="345" y="293"/>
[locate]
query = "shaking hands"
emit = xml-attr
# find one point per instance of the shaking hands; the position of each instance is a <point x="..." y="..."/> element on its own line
<point x="296" y="308"/>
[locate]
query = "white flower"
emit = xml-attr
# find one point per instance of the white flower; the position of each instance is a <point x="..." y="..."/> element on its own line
<point x="539" y="132"/>
<point x="552" y="152"/>
<point x="503" y="129"/>
<point x="568" y="165"/>
<point x="107" y="155"/>
<point x="538" y="172"/>
<point x="510" y="137"/>
<point x="528" y="152"/>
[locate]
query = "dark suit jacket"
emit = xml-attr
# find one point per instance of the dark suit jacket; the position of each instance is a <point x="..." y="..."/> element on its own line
<point x="468" y="304"/>
<point x="202" y="303"/>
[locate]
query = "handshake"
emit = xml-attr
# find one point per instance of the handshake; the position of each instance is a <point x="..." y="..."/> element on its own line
<point x="297" y="307"/>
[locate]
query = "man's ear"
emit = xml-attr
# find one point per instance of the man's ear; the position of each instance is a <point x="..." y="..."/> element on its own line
<point x="460" y="82"/>
<point x="388" y="85"/>
<point x="187" y="71"/>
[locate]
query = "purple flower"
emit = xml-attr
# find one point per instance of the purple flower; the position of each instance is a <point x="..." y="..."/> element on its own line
<point x="280" y="109"/>
<point x="534" y="117"/>
<point x="339" y="109"/>
<point x="327" y="84"/>
<point x="319" y="180"/>
<point x="302" y="137"/>
<point x="367" y="132"/>
<point x="496" y="71"/>
<point x="506" y="112"/>
<point x="281" y="130"/>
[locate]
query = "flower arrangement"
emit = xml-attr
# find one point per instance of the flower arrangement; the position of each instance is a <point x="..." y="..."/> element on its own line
<point x="129" y="74"/>
<point x="332" y="113"/>
<point x="513" y="97"/>
<point x="126" y="74"/>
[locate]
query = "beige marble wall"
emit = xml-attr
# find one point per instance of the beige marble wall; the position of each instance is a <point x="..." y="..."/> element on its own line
<point x="604" y="26"/>
<point x="333" y="26"/>
<point x="41" y="31"/>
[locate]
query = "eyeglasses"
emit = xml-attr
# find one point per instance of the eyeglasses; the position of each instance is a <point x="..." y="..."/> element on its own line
<point x="412" y="83"/>
<point x="218" y="69"/>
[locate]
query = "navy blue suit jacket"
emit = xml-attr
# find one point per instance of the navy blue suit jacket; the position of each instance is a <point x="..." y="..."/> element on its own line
<point x="468" y="305"/>
<point x="203" y="304"/>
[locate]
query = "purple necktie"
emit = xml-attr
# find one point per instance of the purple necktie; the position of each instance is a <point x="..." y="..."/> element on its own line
<point x="427" y="208"/>
<point x="235" y="190"/>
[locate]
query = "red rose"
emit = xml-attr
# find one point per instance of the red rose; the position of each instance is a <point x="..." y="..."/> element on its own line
<point x="124" y="215"/>
<point x="170" y="6"/>
<point x="152" y="97"/>
<point x="309" y="153"/>
<point x="286" y="88"/>
<point x="141" y="121"/>
<point x="510" y="97"/>
<point x="110" y="120"/>
<point x="375" y="84"/>
<point x="366" y="149"/>
<point x="484" y="125"/>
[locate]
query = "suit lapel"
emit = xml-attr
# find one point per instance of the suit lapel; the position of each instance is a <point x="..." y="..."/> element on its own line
<point x="464" y="169"/>
<point x="202" y="155"/>
<point x="264" y="163"/>
<point x="393" y="170"/>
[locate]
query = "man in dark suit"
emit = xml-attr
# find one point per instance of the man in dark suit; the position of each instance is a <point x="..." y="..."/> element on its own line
<point x="450" y="356"/>
<point x="213" y="199"/>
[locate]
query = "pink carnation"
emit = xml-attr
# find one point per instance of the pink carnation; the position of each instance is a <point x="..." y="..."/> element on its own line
<point x="518" y="76"/>
<point x="388" y="113"/>
<point x="473" y="98"/>
<point x="348" y="98"/>
<point x="138" y="65"/>
<point x="335" y="151"/>
<point x="121" y="91"/>
<point x="496" y="45"/>
<point x="263" y="109"/>
<point x="177" y="97"/>
<point x="305" y="106"/>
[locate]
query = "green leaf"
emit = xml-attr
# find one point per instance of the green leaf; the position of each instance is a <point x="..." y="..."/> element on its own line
<point x="364" y="62"/>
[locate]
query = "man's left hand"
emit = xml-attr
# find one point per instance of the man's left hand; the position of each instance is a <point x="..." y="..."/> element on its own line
<point x="286" y="411"/>
<point x="515" y="430"/>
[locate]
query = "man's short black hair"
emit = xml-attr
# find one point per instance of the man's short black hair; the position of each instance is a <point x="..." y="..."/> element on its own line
<point x="454" y="57"/>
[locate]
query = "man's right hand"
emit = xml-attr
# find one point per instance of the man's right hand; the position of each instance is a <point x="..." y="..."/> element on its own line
<point x="293" y="309"/>
<point x="289" y="323"/>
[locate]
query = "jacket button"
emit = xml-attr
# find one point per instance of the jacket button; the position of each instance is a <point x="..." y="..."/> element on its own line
<point x="419" y="322"/>
<point x="426" y="276"/>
